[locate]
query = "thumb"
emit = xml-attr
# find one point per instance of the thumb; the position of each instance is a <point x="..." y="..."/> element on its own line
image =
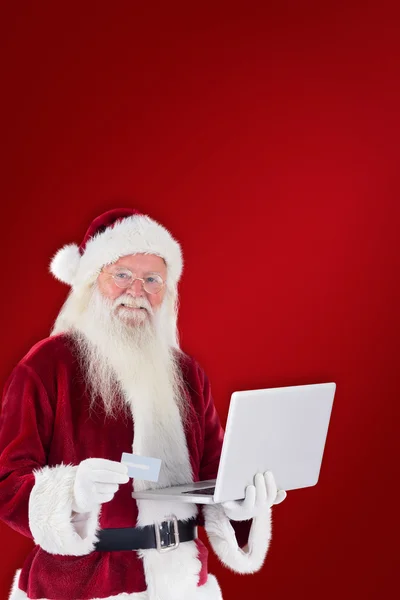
<point x="280" y="496"/>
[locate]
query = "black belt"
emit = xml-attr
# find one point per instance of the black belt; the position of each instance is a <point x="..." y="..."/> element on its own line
<point x="166" y="535"/>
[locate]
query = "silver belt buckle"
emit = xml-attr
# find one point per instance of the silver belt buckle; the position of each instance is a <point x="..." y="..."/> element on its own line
<point x="167" y="534"/>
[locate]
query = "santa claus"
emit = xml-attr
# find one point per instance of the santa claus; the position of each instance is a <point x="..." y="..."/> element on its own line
<point x="110" y="379"/>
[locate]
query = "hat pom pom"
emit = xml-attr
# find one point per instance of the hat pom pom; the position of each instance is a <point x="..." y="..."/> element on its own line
<point x="65" y="263"/>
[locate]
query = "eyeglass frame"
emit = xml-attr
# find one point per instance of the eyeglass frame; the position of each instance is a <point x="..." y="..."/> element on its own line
<point x="134" y="279"/>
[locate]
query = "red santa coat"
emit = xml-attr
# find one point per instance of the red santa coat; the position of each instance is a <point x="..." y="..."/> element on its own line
<point x="46" y="430"/>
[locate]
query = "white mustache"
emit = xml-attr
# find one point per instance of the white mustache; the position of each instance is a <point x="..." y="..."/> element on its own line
<point x="132" y="302"/>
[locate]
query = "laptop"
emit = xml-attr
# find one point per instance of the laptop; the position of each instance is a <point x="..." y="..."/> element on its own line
<point x="282" y="430"/>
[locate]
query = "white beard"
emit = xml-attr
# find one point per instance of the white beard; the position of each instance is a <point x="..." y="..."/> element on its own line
<point x="131" y="366"/>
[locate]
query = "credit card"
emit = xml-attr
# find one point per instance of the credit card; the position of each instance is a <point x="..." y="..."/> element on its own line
<point x="142" y="467"/>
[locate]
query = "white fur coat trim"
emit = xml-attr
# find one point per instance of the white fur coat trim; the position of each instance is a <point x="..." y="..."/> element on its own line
<point x="223" y="540"/>
<point x="209" y="591"/>
<point x="173" y="575"/>
<point x="132" y="235"/>
<point x="50" y="510"/>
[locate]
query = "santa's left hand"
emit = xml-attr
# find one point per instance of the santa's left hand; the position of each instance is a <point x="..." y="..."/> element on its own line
<point x="259" y="498"/>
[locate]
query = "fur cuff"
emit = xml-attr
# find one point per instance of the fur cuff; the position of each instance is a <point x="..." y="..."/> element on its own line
<point x="50" y="514"/>
<point x="224" y="543"/>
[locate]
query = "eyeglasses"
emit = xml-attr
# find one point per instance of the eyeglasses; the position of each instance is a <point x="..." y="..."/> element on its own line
<point x="124" y="278"/>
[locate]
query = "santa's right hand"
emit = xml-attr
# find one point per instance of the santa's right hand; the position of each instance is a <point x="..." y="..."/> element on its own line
<point x="96" y="481"/>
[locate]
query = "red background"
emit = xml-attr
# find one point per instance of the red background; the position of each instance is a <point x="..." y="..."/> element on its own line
<point x="265" y="138"/>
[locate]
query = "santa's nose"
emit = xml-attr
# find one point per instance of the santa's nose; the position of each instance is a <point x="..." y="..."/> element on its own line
<point x="136" y="288"/>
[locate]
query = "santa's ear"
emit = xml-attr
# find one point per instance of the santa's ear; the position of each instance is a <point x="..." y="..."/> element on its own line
<point x="65" y="263"/>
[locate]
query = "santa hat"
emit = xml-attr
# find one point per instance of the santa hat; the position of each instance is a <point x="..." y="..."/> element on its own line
<point x="116" y="233"/>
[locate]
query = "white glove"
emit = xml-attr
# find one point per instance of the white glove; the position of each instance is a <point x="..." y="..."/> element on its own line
<point x="258" y="499"/>
<point x="96" y="481"/>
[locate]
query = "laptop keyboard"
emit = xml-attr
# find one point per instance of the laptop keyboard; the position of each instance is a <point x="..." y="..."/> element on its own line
<point x="206" y="491"/>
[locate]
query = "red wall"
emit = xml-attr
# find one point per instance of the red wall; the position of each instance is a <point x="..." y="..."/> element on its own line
<point x="266" y="139"/>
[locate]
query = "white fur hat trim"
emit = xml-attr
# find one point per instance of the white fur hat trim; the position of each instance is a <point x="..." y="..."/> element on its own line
<point x="132" y="235"/>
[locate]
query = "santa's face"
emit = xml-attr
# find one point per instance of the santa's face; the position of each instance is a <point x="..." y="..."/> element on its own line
<point x="133" y="304"/>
